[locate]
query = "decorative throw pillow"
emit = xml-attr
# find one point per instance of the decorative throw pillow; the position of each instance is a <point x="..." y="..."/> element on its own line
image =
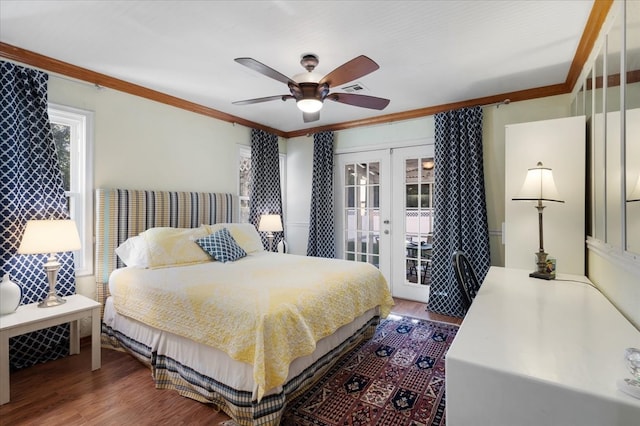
<point x="221" y="246"/>
<point x="174" y="246"/>
<point x="245" y="235"/>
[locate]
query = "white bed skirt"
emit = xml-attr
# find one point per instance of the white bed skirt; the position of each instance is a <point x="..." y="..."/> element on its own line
<point x="207" y="374"/>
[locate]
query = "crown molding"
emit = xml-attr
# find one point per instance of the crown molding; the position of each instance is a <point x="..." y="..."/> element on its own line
<point x="66" y="69"/>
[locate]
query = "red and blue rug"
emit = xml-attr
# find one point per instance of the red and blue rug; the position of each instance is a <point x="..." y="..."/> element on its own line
<point x="395" y="379"/>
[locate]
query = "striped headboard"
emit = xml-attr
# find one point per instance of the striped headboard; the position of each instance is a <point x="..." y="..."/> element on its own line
<point x="123" y="213"/>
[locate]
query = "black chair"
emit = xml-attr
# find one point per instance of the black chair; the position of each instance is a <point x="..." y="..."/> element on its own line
<point x="465" y="276"/>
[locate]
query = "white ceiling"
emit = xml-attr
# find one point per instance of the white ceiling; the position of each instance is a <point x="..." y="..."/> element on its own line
<point x="430" y="52"/>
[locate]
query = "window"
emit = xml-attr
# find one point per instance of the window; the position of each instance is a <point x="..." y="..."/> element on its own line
<point x="72" y="133"/>
<point x="244" y="181"/>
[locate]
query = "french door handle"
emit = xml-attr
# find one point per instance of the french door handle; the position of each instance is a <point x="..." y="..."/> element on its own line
<point x="386" y="222"/>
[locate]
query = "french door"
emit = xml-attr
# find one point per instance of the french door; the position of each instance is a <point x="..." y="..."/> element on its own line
<point x="412" y="217"/>
<point x="384" y="214"/>
<point x="362" y="208"/>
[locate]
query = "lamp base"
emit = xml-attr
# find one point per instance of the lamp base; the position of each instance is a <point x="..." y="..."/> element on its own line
<point x="541" y="272"/>
<point x="51" y="268"/>
<point x="51" y="300"/>
<point x="542" y="275"/>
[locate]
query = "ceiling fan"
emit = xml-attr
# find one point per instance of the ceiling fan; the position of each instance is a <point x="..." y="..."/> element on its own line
<point x="310" y="89"/>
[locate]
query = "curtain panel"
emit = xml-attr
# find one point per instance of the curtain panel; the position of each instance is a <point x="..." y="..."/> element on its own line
<point x="31" y="187"/>
<point x="321" y="241"/>
<point x="460" y="220"/>
<point x="265" y="194"/>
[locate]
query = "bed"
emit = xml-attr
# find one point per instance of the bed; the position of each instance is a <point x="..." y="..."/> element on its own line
<point x="245" y="335"/>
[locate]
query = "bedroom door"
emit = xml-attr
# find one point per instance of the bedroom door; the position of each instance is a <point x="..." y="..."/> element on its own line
<point x="363" y="229"/>
<point x="384" y="214"/>
<point x="412" y="218"/>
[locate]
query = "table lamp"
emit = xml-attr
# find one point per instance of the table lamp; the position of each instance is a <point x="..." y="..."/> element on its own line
<point x="539" y="186"/>
<point x="270" y="223"/>
<point x="50" y="236"/>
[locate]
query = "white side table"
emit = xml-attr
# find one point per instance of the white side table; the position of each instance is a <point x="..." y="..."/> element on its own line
<point x="28" y="318"/>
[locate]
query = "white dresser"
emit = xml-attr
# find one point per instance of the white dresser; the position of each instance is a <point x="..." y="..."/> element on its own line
<point x="536" y="352"/>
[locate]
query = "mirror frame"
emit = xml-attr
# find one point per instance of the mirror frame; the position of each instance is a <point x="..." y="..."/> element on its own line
<point x="614" y="247"/>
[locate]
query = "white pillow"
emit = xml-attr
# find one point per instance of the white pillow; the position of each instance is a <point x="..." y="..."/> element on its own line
<point x="134" y="252"/>
<point x="245" y="235"/>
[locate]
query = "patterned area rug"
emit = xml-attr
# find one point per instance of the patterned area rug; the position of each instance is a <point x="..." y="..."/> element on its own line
<point x="394" y="379"/>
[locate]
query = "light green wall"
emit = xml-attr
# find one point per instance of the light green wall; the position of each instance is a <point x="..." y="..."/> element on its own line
<point x="389" y="133"/>
<point x="145" y="144"/>
<point x="493" y="134"/>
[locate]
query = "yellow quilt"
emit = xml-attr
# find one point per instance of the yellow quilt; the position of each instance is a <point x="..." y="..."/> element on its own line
<point x="266" y="309"/>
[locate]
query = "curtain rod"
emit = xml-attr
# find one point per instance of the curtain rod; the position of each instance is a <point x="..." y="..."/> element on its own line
<point x="497" y="104"/>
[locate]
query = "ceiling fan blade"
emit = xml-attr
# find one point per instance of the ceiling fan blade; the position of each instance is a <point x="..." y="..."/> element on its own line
<point x="349" y="71"/>
<point x="263" y="69"/>
<point x="363" y="101"/>
<point x="266" y="99"/>
<point x="308" y="117"/>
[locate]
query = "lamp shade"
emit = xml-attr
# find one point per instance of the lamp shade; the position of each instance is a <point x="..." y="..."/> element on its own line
<point x="49" y="236"/>
<point x="635" y="194"/>
<point x="539" y="186"/>
<point x="309" y="105"/>
<point x="270" y="223"/>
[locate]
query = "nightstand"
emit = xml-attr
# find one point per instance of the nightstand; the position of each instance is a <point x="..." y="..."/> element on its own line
<point x="28" y="318"/>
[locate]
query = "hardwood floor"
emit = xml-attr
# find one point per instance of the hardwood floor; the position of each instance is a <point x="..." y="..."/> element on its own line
<point x="66" y="391"/>
<point x="418" y="310"/>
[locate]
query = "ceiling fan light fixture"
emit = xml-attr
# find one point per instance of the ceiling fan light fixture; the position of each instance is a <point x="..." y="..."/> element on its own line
<point x="309" y="105"/>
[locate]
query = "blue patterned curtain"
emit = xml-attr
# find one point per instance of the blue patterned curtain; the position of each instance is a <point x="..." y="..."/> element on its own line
<point x="321" y="228"/>
<point x="460" y="220"/>
<point x="31" y="187"/>
<point x="265" y="193"/>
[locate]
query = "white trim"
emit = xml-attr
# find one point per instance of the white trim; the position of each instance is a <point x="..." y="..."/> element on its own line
<point x="387" y="145"/>
<point x="245" y="151"/>
<point x="82" y="184"/>
<point x="626" y="260"/>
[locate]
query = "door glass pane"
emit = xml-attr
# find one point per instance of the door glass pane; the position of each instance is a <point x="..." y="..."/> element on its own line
<point x="374" y="220"/>
<point x="350" y="197"/>
<point x="361" y="173"/>
<point x="419" y="181"/>
<point x="365" y="220"/>
<point x="425" y="195"/>
<point x="361" y="215"/>
<point x="362" y="197"/>
<point x="375" y="242"/>
<point x="412" y="195"/>
<point x="374" y="173"/>
<point x="362" y="243"/>
<point x="374" y="196"/>
<point x="349" y="174"/>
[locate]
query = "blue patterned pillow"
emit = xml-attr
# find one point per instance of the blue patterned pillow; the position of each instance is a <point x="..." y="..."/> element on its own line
<point x="221" y="246"/>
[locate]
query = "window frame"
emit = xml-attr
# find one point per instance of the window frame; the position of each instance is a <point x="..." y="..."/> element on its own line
<point x="244" y="151"/>
<point x="80" y="195"/>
